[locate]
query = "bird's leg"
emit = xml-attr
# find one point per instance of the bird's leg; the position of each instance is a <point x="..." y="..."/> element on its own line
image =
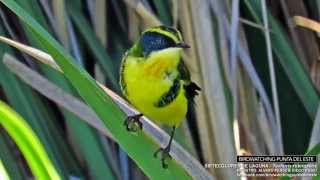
<point x="165" y="152"/>
<point x="133" y="123"/>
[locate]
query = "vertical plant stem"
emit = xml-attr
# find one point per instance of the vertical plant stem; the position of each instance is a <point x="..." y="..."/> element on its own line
<point x="100" y="20"/>
<point x="234" y="69"/>
<point x="59" y="10"/>
<point x="213" y="87"/>
<point x="272" y="76"/>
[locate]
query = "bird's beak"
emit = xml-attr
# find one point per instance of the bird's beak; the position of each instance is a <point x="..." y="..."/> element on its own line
<point x="183" y="45"/>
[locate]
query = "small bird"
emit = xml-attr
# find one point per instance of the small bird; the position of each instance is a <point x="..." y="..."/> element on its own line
<point x="155" y="80"/>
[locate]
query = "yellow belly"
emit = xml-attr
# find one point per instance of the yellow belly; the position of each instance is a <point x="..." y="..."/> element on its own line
<point x="144" y="100"/>
<point x="144" y="87"/>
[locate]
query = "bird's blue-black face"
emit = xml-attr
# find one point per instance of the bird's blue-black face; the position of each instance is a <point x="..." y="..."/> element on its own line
<point x="159" y="38"/>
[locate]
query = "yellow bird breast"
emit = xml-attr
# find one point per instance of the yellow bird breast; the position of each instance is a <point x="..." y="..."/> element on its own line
<point x="147" y="80"/>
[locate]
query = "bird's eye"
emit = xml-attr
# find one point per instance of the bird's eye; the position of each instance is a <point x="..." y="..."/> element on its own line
<point x="152" y="41"/>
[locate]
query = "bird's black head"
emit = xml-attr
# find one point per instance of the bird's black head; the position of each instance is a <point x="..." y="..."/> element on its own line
<point x="161" y="37"/>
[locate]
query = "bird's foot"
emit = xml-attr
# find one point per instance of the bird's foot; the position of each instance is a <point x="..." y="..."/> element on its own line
<point x="165" y="154"/>
<point x="133" y="123"/>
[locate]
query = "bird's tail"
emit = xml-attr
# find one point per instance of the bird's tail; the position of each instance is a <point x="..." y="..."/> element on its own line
<point x="192" y="91"/>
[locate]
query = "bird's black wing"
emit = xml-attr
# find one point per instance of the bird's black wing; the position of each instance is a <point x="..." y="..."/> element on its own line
<point x="191" y="88"/>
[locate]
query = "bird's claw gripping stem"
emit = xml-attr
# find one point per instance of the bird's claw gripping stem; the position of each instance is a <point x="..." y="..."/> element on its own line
<point x="133" y="123"/>
<point x="164" y="155"/>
